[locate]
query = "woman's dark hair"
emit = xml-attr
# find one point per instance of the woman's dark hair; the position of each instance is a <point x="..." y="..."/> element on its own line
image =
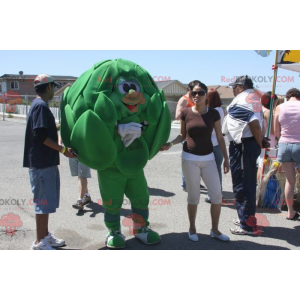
<point x="267" y="105"/>
<point x="293" y="93"/>
<point x="213" y="99"/>
<point x="194" y="83"/>
<point x="41" y="89"/>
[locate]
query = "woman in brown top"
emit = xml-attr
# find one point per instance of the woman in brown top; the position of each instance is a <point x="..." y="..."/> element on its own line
<point x="198" y="161"/>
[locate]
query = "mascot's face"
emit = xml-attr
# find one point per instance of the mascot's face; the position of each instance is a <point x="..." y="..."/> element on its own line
<point x="130" y="91"/>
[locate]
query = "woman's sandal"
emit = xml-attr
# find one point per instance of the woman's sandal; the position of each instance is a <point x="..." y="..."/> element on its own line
<point x="296" y="217"/>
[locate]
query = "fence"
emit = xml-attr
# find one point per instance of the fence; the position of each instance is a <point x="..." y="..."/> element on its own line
<point x="54" y="106"/>
<point x="23" y="109"/>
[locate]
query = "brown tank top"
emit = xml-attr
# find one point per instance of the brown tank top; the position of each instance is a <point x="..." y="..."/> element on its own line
<point x="190" y="103"/>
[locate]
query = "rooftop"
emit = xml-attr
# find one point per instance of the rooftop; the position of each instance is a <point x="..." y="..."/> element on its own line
<point x="18" y="76"/>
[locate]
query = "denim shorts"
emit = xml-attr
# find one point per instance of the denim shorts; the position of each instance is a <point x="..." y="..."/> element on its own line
<point x="79" y="169"/>
<point x="289" y="152"/>
<point x="45" y="185"/>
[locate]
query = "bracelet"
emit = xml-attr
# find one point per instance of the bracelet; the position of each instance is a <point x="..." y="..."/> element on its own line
<point x="63" y="150"/>
<point x="172" y="144"/>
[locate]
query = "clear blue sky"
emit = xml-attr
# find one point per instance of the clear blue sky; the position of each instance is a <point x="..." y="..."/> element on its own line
<point x="207" y="66"/>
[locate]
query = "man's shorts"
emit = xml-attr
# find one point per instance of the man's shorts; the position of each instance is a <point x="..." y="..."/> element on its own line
<point x="79" y="169"/>
<point x="289" y="152"/>
<point x="45" y="185"/>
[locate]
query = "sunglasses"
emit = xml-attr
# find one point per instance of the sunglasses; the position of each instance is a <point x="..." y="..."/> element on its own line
<point x="234" y="86"/>
<point x="200" y="93"/>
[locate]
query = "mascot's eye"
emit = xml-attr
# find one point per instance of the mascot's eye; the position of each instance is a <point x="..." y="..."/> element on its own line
<point x="126" y="86"/>
<point x="133" y="86"/>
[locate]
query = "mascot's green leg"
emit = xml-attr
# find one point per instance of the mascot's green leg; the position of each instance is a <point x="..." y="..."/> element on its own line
<point x="137" y="192"/>
<point x="112" y="190"/>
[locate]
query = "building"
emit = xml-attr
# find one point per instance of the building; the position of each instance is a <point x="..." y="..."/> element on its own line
<point x="23" y="84"/>
<point x="174" y="90"/>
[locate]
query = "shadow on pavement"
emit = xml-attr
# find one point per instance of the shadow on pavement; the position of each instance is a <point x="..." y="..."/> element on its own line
<point x="159" y="192"/>
<point x="180" y="241"/>
<point x="95" y="208"/>
<point x="290" y="235"/>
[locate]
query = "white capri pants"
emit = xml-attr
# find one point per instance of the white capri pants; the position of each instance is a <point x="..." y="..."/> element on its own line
<point x="193" y="171"/>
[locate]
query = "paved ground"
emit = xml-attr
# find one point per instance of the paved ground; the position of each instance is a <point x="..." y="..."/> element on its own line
<point x="86" y="230"/>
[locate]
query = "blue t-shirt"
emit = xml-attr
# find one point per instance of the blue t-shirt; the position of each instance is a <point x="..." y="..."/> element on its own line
<point x="36" y="154"/>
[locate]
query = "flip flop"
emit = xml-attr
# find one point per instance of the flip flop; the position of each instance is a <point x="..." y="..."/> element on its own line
<point x="296" y="217"/>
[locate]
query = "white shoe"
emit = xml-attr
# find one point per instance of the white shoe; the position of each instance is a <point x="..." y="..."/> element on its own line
<point x="53" y="241"/>
<point x="147" y="236"/>
<point x="222" y="237"/>
<point x="207" y="199"/>
<point x="236" y="222"/>
<point x="42" y="245"/>
<point x="193" y="237"/>
<point x="115" y="239"/>
<point x="239" y="231"/>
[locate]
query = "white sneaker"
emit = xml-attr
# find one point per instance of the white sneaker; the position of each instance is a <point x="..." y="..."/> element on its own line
<point x="236" y="222"/>
<point x="115" y="239"/>
<point x="207" y="199"/>
<point x="147" y="236"/>
<point x="222" y="237"/>
<point x="239" y="231"/>
<point x="42" y="245"/>
<point x="53" y="241"/>
<point x="193" y="237"/>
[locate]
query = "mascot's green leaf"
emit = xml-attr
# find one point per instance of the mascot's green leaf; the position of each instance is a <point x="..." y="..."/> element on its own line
<point x="99" y="64"/>
<point x="148" y="84"/>
<point x="79" y="107"/>
<point x="130" y="119"/>
<point x="78" y="87"/>
<point x="64" y="100"/>
<point x="149" y="135"/>
<point x="100" y="81"/>
<point x="163" y="130"/>
<point x="93" y="142"/>
<point x="154" y="109"/>
<point x="133" y="159"/>
<point x="106" y="110"/>
<point x="120" y="107"/>
<point x="67" y="124"/>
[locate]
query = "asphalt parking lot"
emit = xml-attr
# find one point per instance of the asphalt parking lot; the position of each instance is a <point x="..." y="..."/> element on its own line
<point x="168" y="215"/>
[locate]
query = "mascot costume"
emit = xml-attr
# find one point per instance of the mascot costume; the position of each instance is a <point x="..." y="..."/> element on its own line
<point x="116" y="119"/>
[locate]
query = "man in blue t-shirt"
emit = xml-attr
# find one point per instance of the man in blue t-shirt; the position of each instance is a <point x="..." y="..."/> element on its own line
<point x="41" y="156"/>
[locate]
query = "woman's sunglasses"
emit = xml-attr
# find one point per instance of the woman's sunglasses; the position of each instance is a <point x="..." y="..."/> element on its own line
<point x="200" y="93"/>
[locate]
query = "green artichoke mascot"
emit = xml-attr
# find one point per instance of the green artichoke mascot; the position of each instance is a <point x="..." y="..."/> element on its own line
<point x="116" y="119"/>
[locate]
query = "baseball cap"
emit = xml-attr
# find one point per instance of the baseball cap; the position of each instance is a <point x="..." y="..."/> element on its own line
<point x="265" y="99"/>
<point x="242" y="80"/>
<point x="43" y="79"/>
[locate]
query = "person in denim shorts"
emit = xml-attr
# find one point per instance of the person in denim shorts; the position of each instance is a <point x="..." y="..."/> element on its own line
<point x="41" y="156"/>
<point x="287" y="119"/>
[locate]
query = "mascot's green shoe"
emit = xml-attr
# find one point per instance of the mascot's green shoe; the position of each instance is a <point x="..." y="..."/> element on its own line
<point x="147" y="236"/>
<point x="115" y="239"/>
